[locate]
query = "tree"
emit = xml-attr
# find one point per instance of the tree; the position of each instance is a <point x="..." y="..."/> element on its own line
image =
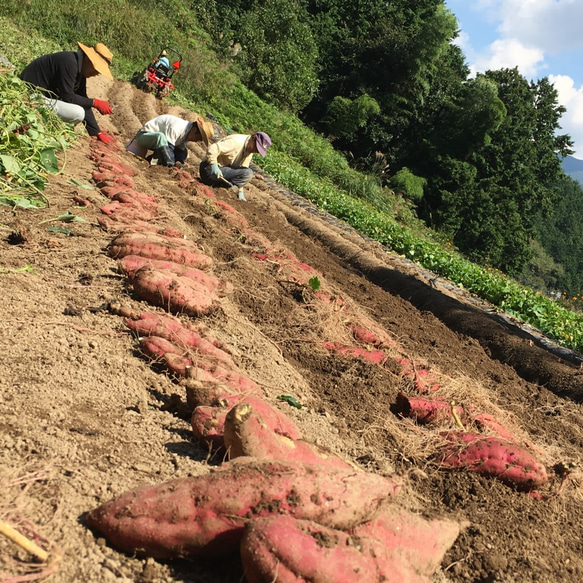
<point x="389" y="51"/>
<point x="513" y="153"/>
<point x="278" y="53"/>
<point x="560" y="233"/>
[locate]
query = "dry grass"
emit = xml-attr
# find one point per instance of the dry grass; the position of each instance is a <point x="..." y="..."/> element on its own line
<point x="20" y="509"/>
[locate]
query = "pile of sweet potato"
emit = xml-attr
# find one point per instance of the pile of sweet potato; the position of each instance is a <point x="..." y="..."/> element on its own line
<point x="293" y="511"/>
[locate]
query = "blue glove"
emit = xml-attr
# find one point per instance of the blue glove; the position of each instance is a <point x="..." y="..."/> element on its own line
<point x="216" y="171"/>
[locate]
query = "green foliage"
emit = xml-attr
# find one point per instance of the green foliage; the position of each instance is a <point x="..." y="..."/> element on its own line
<point x="416" y="76"/>
<point x="314" y="283"/>
<point x="278" y="54"/>
<point x="407" y="184"/>
<point x="345" y="116"/>
<point x="486" y="187"/>
<point x="561" y="234"/>
<point x="133" y="33"/>
<point x="542" y="271"/>
<point x="30" y="136"/>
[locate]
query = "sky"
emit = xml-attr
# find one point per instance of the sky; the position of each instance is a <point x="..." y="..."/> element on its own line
<point x="543" y="38"/>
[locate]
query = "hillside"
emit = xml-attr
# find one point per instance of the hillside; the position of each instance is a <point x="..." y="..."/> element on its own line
<point x="573" y="167"/>
<point x="87" y="416"/>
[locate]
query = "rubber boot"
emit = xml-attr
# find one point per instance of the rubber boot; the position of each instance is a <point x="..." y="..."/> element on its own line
<point x="165" y="156"/>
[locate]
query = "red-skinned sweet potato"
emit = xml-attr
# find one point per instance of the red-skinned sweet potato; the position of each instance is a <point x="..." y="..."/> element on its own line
<point x="129" y="211"/>
<point x="208" y="423"/>
<point x="423" y="378"/>
<point x="208" y="428"/>
<point x="427" y="411"/>
<point x="203" y="389"/>
<point x="487" y="421"/>
<point x="175" y="293"/>
<point x="247" y="434"/>
<point x="373" y="356"/>
<point x="152" y="246"/>
<point x="282" y="549"/>
<point x="164" y="352"/>
<point x="131" y="263"/>
<point x="493" y="457"/>
<point x="165" y="326"/>
<point x="205" y="515"/>
<point x="108" y="178"/>
<point x="422" y="542"/>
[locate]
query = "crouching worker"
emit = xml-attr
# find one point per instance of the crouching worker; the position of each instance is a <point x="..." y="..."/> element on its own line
<point x="227" y="161"/>
<point x="62" y="80"/>
<point x="167" y="135"/>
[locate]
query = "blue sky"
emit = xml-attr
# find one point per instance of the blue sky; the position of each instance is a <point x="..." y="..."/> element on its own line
<point x="543" y="38"/>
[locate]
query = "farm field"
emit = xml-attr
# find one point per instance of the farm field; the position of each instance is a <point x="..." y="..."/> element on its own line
<point x="87" y="415"/>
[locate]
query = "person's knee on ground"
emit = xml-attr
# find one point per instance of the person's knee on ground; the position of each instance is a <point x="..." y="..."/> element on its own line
<point x="238" y="176"/>
<point x="164" y="155"/>
<point x="68" y="112"/>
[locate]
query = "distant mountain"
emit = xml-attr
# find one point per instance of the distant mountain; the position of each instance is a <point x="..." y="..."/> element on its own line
<point x="573" y="167"/>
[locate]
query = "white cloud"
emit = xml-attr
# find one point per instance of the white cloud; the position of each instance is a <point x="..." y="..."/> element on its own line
<point x="572" y="98"/>
<point x="510" y="53"/>
<point x="552" y="25"/>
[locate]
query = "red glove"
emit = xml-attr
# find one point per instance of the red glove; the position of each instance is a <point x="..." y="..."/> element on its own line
<point x="105" y="138"/>
<point x="102" y="106"/>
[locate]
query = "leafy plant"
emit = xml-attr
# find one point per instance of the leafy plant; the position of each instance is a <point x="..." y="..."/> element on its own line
<point x="30" y="137"/>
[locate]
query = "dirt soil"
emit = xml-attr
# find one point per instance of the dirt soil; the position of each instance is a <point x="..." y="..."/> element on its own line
<point x="85" y="416"/>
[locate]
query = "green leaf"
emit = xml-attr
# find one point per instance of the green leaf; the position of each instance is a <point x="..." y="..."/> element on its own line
<point x="49" y="160"/>
<point x="19" y="202"/>
<point x="290" y="401"/>
<point x="10" y="164"/>
<point x="80" y="184"/>
<point x="26" y="269"/>
<point x="314" y="283"/>
<point x="68" y="217"/>
<point x="60" y="230"/>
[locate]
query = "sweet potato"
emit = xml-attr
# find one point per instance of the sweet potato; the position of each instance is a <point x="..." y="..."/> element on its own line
<point x="148" y="324"/>
<point x="130" y="211"/>
<point x="208" y="428"/>
<point x="131" y="263"/>
<point x="373" y="356"/>
<point x="172" y="292"/>
<point x="116" y="167"/>
<point x="208" y="423"/>
<point x="107" y="178"/>
<point x="282" y="549"/>
<point x="493" y="457"/>
<point x="205" y="515"/>
<point x="166" y="353"/>
<point x="424" y="379"/>
<point x="427" y="411"/>
<point x="132" y="196"/>
<point x="159" y="247"/>
<point x="365" y="336"/>
<point x="487" y="421"/>
<point x="247" y="434"/>
<point x="421" y="542"/>
<point x="121" y="224"/>
<point x="204" y="389"/>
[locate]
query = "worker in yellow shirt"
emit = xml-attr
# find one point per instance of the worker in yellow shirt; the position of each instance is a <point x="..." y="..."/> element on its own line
<point x="227" y="160"/>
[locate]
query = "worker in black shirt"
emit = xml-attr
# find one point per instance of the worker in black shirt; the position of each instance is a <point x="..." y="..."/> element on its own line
<point x="62" y="79"/>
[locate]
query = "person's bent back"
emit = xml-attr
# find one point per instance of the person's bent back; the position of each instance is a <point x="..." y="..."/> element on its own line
<point x="62" y="79"/>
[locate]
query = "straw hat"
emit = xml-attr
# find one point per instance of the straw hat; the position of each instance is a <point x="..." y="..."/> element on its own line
<point x="207" y="131"/>
<point x="100" y="57"/>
